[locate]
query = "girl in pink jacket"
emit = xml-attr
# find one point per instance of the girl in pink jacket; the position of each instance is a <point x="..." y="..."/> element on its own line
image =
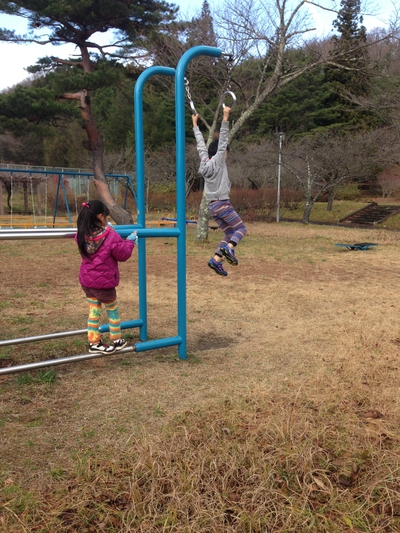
<point x="101" y="249"/>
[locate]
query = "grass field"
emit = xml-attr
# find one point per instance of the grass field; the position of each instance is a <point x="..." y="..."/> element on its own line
<point x="284" y="418"/>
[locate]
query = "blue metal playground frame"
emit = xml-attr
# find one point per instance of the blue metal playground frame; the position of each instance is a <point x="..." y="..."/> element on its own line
<point x="179" y="232"/>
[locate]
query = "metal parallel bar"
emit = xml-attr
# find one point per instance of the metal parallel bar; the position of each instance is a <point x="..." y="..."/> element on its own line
<point x="138" y="347"/>
<point x="60" y="361"/>
<point x="103" y="329"/>
<point x="40" y="229"/>
<point x="62" y="233"/>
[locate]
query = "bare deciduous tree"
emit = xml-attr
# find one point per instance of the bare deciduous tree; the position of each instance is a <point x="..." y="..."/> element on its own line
<point x="389" y="180"/>
<point x="261" y="36"/>
<point x="322" y="163"/>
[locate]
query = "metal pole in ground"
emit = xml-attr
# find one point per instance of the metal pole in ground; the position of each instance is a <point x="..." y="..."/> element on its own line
<point x="278" y="197"/>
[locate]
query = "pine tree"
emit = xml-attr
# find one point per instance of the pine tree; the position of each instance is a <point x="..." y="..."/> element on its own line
<point x="74" y="80"/>
<point x="349" y="51"/>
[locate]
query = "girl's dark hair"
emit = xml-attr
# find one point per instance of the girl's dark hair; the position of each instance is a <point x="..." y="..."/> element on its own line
<point x="88" y="223"/>
<point x="213" y="148"/>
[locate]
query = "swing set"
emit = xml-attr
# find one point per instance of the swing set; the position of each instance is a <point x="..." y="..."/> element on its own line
<point x="78" y="183"/>
<point x="143" y="231"/>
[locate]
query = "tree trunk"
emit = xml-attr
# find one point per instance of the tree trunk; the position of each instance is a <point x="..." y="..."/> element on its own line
<point x="307" y="211"/>
<point x="202" y="220"/>
<point x="95" y="145"/>
<point x="331" y="194"/>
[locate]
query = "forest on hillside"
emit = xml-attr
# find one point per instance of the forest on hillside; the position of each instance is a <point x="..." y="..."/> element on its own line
<point x="329" y="108"/>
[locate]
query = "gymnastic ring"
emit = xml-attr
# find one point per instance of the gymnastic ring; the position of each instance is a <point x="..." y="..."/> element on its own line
<point x="232" y="95"/>
<point x="192" y="107"/>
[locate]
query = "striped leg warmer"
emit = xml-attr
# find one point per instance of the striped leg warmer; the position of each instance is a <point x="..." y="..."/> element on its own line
<point x="114" y="320"/>
<point x="93" y="320"/>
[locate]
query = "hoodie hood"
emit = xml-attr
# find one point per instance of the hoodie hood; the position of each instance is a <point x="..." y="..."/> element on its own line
<point x="93" y="242"/>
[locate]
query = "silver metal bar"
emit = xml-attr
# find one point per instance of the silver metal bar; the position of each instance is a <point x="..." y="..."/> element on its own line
<point x="22" y="340"/>
<point x="19" y="235"/>
<point x="39" y="229"/>
<point x="103" y="328"/>
<point x="61" y="361"/>
<point x="124" y="231"/>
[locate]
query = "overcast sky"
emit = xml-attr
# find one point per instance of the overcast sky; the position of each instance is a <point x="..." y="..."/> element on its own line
<point x="14" y="58"/>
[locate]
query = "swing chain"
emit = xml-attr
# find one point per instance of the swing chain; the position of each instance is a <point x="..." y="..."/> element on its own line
<point x="229" y="91"/>
<point x="229" y="67"/>
<point x="194" y="112"/>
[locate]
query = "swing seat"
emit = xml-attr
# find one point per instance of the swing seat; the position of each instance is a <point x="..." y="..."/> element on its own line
<point x="358" y="246"/>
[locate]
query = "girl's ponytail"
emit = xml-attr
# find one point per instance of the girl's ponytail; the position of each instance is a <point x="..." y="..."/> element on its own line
<point x="88" y="222"/>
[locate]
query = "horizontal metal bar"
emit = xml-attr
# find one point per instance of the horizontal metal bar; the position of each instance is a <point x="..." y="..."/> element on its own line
<point x="41" y="229"/>
<point x="18" y="235"/>
<point x="56" y="171"/>
<point x="103" y="329"/>
<point x="60" y="361"/>
<point x="124" y="231"/>
<point x="159" y="343"/>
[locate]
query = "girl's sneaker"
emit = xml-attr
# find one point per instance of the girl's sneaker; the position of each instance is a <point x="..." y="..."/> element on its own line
<point x="100" y="347"/>
<point x="229" y="255"/>
<point x="217" y="267"/>
<point x="119" y="344"/>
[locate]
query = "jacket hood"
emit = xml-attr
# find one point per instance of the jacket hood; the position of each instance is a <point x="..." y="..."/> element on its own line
<point x="93" y="242"/>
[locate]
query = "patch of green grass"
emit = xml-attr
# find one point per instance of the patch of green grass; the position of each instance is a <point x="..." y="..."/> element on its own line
<point x="17" y="500"/>
<point x="159" y="411"/>
<point x="6" y="352"/>
<point x="36" y="423"/>
<point x="340" y="210"/>
<point x="192" y="358"/>
<point x="42" y="376"/>
<point x="57" y="473"/>
<point x="89" y="433"/>
<point x="21" y="320"/>
<point x="18" y="295"/>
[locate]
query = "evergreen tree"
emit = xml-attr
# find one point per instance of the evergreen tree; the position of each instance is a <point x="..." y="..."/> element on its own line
<point x="347" y="71"/>
<point x="74" y="80"/>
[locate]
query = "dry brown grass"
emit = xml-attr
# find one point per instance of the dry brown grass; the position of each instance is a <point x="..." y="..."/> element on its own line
<point x="284" y="418"/>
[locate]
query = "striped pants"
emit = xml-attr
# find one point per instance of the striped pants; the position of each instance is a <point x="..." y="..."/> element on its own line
<point x="93" y="323"/>
<point x="229" y="221"/>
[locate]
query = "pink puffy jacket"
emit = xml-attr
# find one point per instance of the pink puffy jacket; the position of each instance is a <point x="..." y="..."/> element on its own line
<point x="100" y="270"/>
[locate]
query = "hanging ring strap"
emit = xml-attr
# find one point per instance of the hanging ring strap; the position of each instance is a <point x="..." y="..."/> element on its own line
<point x="229" y="91"/>
<point x="194" y="112"/>
<point x="233" y="96"/>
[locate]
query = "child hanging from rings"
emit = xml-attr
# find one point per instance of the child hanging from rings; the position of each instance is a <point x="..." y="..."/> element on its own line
<point x="217" y="187"/>
<point x="101" y="249"/>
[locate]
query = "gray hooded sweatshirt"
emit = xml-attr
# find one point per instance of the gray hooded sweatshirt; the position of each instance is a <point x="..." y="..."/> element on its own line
<point x="214" y="171"/>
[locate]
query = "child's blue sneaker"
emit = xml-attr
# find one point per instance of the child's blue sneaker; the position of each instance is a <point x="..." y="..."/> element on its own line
<point x="217" y="267"/>
<point x="229" y="254"/>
